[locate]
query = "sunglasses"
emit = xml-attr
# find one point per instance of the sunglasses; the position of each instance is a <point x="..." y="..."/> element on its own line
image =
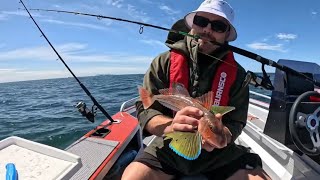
<point x="216" y="25"/>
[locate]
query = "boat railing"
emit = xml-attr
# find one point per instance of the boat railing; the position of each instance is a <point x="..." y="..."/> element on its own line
<point x="260" y="95"/>
<point x="259" y="99"/>
<point x="129" y="106"/>
<point x="258" y="133"/>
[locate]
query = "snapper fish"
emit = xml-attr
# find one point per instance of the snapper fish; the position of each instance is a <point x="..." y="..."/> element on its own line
<point x="210" y="129"/>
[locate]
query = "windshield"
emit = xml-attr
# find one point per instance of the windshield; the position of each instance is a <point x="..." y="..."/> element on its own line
<point x="304" y="67"/>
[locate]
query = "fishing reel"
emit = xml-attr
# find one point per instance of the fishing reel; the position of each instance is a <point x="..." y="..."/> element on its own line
<point x="258" y="81"/>
<point x="82" y="108"/>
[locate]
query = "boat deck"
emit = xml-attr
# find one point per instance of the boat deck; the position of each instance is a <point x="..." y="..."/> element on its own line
<point x="93" y="151"/>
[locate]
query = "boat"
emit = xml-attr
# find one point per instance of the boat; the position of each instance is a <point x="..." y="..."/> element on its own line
<point x="288" y="151"/>
<point x="283" y="129"/>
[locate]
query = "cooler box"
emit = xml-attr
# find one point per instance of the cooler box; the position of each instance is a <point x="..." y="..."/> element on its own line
<point x="37" y="161"/>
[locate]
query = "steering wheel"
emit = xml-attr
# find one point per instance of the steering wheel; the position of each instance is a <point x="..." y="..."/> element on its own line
<point x="311" y="122"/>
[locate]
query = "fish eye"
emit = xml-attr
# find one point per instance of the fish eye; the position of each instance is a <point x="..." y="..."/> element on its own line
<point x="213" y="128"/>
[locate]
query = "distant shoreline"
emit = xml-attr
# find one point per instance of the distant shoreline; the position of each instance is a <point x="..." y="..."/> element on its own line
<point x="67" y="77"/>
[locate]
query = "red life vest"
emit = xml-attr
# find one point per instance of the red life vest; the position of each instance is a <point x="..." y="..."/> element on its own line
<point x="224" y="77"/>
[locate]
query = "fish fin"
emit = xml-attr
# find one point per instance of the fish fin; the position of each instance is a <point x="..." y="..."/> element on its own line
<point x="185" y="144"/>
<point x="146" y="97"/>
<point x="206" y="100"/>
<point x="179" y="89"/>
<point x="221" y="109"/>
<point x="166" y="91"/>
<point x="176" y="89"/>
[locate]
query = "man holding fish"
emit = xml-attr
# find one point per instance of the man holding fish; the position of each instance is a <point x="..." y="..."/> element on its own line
<point x="186" y="92"/>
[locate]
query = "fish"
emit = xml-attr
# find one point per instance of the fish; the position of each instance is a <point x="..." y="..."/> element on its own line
<point x="189" y="144"/>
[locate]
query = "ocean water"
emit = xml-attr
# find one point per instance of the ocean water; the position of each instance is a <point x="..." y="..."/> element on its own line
<point x="44" y="110"/>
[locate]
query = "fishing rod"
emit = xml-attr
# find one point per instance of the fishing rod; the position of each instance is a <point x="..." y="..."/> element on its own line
<point x="245" y="53"/>
<point x="81" y="105"/>
<point x="265" y="61"/>
<point x="118" y="19"/>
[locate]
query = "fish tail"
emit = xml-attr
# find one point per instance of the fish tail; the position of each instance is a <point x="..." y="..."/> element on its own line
<point x="221" y="109"/>
<point x="146" y="97"/>
<point x="185" y="144"/>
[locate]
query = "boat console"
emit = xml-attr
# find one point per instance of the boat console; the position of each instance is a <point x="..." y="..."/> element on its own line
<point x="293" y="120"/>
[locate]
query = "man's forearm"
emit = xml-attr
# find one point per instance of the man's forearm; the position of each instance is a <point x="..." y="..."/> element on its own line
<point x="157" y="124"/>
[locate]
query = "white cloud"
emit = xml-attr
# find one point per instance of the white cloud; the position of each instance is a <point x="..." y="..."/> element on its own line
<point x="168" y="10"/>
<point x="10" y="75"/>
<point x="130" y="9"/>
<point x="116" y="63"/>
<point x="72" y="47"/>
<point x="265" y="46"/>
<point x="314" y="12"/>
<point x="116" y="3"/>
<point x="136" y="14"/>
<point x="44" y="53"/>
<point x="56" y="6"/>
<point x="267" y="38"/>
<point x="3" y="17"/>
<point x="285" y="36"/>
<point x="20" y="13"/>
<point x="154" y="43"/>
<point x="147" y="1"/>
<point x="7" y="70"/>
<point x="82" y="25"/>
<point x="113" y="58"/>
<point x="71" y="52"/>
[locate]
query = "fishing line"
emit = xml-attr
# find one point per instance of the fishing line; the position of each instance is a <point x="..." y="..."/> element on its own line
<point x="245" y="53"/>
<point x="213" y="57"/>
<point x="256" y="80"/>
<point x="142" y="25"/>
<point x="81" y="85"/>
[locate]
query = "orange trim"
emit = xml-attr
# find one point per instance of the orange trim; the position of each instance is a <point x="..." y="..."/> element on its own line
<point x="178" y="69"/>
<point x="119" y="132"/>
<point x="251" y="117"/>
<point x="222" y="81"/>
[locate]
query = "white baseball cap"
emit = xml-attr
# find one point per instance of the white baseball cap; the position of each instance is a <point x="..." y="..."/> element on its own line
<point x="217" y="7"/>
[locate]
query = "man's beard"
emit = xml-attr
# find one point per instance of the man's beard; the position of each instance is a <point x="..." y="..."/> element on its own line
<point x="205" y="43"/>
<point x="206" y="37"/>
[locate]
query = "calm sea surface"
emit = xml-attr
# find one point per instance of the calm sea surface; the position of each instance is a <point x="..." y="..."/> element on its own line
<point x="43" y="110"/>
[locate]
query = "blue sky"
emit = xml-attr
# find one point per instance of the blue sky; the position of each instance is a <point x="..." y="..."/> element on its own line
<point x="275" y="29"/>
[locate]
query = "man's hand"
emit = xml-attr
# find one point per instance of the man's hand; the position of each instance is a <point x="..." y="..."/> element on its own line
<point x="186" y="120"/>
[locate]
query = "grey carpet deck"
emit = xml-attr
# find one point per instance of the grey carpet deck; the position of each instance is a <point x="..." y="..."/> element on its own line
<point x="93" y="152"/>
